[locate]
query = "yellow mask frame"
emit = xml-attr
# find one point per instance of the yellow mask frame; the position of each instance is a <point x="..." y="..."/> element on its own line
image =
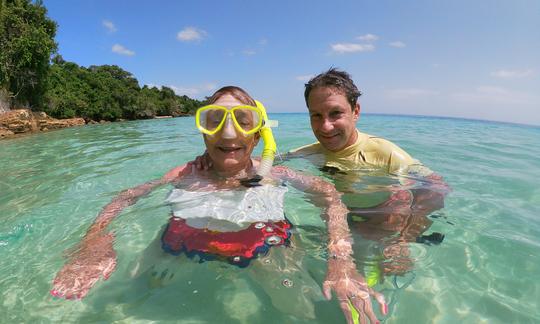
<point x="229" y="111"/>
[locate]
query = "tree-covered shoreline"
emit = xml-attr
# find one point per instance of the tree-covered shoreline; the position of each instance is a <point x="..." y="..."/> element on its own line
<point x="107" y="92"/>
<point x="30" y="78"/>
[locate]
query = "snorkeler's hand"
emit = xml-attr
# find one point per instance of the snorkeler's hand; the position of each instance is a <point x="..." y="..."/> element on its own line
<point x="95" y="258"/>
<point x="351" y="290"/>
<point x="203" y="162"/>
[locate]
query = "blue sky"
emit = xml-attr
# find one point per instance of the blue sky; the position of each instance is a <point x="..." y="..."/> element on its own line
<point x="472" y="59"/>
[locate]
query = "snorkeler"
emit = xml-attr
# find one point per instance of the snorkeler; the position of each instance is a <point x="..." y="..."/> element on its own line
<point x="214" y="215"/>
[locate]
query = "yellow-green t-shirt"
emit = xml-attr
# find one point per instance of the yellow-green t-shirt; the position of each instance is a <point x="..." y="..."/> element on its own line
<point x="367" y="151"/>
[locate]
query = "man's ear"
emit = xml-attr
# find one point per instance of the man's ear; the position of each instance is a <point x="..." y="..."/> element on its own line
<point x="356" y="111"/>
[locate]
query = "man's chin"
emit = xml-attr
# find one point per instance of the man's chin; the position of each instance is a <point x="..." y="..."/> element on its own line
<point x="333" y="145"/>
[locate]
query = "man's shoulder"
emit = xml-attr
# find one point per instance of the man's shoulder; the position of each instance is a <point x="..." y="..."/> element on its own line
<point x="381" y="150"/>
<point x="373" y="142"/>
<point x="309" y="149"/>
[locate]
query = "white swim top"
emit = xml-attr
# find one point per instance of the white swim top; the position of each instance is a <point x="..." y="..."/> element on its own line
<point x="228" y="209"/>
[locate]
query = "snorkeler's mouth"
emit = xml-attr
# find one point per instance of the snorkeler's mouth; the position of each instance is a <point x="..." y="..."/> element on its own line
<point x="228" y="149"/>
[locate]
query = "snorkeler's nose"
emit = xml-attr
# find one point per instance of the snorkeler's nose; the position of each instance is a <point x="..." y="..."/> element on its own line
<point x="228" y="129"/>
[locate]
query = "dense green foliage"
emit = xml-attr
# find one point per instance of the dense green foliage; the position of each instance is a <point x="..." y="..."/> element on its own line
<point x="26" y="45"/>
<point x="64" y="89"/>
<point x="107" y="92"/>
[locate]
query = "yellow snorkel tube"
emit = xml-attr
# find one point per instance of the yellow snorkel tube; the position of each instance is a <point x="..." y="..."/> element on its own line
<point x="269" y="150"/>
<point x="270" y="147"/>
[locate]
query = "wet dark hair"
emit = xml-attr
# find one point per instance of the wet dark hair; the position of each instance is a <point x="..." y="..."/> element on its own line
<point x="237" y="92"/>
<point x="339" y="80"/>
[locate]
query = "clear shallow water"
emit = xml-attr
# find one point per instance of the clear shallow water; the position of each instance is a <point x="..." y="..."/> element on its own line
<point x="53" y="185"/>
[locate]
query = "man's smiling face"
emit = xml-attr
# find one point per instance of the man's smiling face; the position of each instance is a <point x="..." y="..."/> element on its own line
<point x="333" y="120"/>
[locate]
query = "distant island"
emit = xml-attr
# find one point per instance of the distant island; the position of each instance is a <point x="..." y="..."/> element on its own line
<point x="36" y="79"/>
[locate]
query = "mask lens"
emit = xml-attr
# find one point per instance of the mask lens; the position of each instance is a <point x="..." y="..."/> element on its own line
<point x="247" y="119"/>
<point x="211" y="118"/>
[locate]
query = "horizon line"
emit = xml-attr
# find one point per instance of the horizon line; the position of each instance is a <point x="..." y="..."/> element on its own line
<point x="431" y="116"/>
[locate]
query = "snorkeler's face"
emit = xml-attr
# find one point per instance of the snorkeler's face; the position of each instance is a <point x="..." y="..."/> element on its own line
<point x="332" y="119"/>
<point x="229" y="149"/>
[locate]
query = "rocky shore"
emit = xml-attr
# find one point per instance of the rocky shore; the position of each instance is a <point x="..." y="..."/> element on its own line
<point x="21" y="121"/>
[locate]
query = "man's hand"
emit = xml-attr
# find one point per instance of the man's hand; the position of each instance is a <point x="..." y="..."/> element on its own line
<point x="351" y="290"/>
<point x="203" y="162"/>
<point x="95" y="258"/>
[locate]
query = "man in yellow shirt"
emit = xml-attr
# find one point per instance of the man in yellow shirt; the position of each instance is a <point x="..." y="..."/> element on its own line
<point x="332" y="101"/>
<point x="331" y="98"/>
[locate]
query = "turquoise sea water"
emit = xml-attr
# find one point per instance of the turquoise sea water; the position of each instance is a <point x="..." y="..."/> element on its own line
<point x="52" y="186"/>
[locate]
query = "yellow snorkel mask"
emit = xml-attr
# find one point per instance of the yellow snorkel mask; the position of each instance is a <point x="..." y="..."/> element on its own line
<point x="247" y="120"/>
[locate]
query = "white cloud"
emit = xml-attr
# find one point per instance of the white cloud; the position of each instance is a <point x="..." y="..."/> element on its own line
<point x="119" y="49"/>
<point x="249" y="52"/>
<point x="398" y="44"/>
<point x="489" y="95"/>
<point x="304" y="78"/>
<point x="408" y="93"/>
<point x="263" y="42"/>
<point x="193" y="91"/>
<point x="512" y="74"/>
<point x="351" y="48"/>
<point x="189" y="34"/>
<point x="109" y="25"/>
<point x="368" y="38"/>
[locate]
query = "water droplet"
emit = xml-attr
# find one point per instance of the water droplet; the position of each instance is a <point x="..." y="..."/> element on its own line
<point x="287" y="283"/>
<point x="273" y="240"/>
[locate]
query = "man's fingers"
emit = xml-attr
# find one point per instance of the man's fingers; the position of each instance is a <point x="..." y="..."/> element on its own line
<point x="198" y="163"/>
<point x="327" y="290"/>
<point x="368" y="310"/>
<point x="344" y="304"/>
<point x="380" y="299"/>
<point x="109" y="269"/>
<point x="208" y="163"/>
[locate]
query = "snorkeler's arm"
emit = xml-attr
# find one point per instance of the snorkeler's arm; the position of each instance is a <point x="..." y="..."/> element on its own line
<point x="342" y="276"/>
<point x="94" y="257"/>
<point x="128" y="197"/>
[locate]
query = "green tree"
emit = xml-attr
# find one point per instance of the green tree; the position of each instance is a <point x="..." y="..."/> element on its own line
<point x="107" y="92"/>
<point x="26" y="45"/>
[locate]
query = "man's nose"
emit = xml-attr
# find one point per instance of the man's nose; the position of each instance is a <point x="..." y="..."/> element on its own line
<point x="228" y="131"/>
<point x="327" y="125"/>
